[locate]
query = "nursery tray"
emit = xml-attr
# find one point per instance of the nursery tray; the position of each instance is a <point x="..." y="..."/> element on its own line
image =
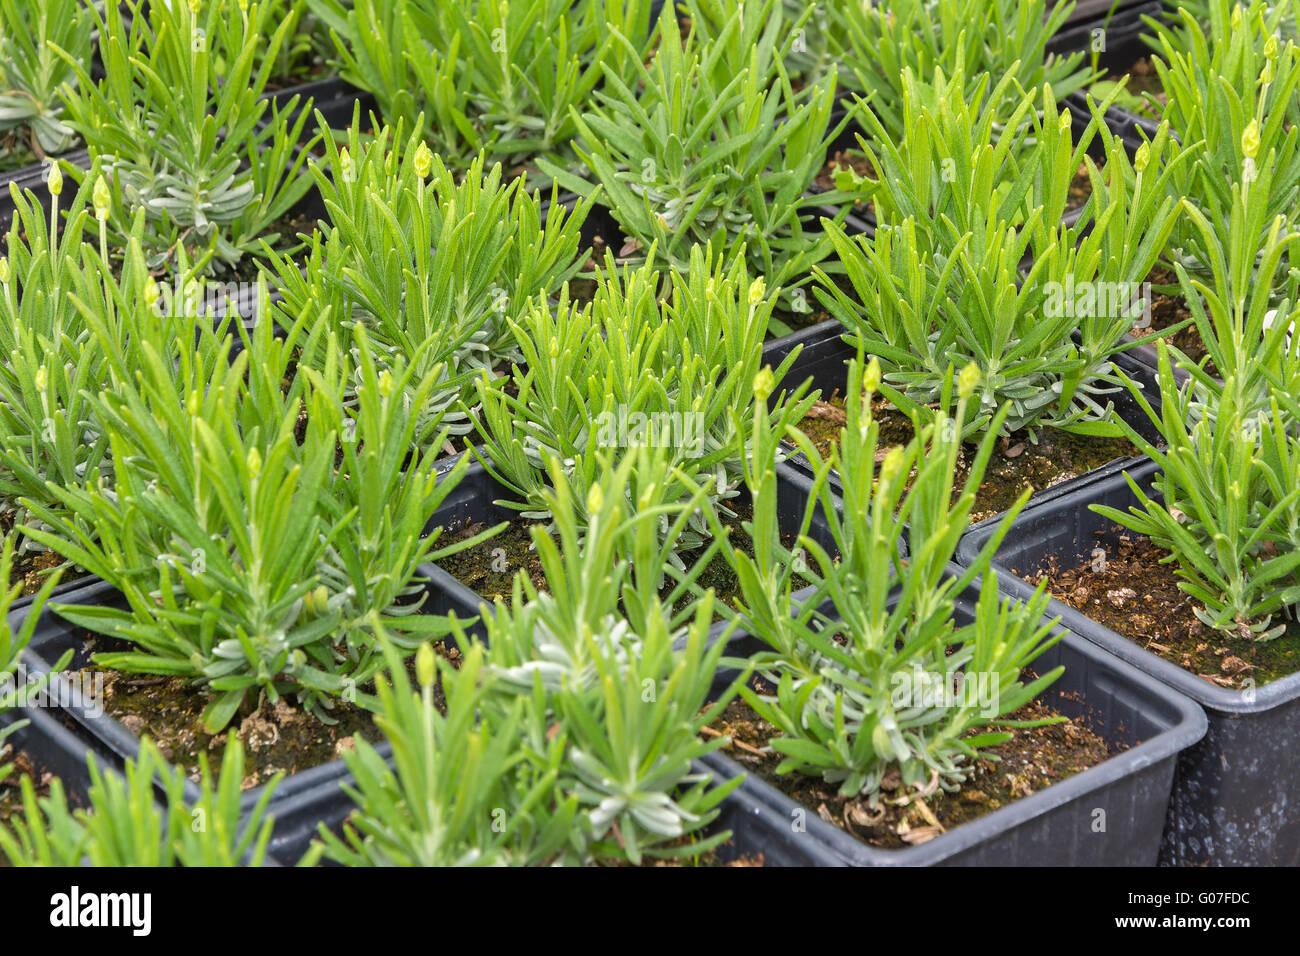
<point x="1054" y="826"/>
<point x="1236" y="792"/>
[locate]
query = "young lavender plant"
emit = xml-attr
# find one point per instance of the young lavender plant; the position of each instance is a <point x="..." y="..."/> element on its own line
<point x="693" y="151"/>
<point x="1232" y="102"/>
<point x="1227" y="502"/>
<point x="972" y="261"/>
<point x="616" y="679"/>
<point x="499" y="76"/>
<point x="177" y="123"/>
<point x="856" y="685"/>
<point x="31" y="73"/>
<point x="248" y="558"/>
<point x="432" y="267"/>
<point x="460" y="791"/>
<point x="124" y="825"/>
<point x="878" y="43"/>
<point x="630" y="370"/>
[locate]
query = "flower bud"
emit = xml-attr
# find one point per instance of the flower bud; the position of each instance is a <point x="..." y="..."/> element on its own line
<point x="254" y="462"/>
<point x="1250" y="139"/>
<point x="345" y="165"/>
<point x="764" y="382"/>
<point x="1142" y="157"/>
<point x="385" y="383"/>
<point x="595" y="499"/>
<point x="968" y="380"/>
<point x="4" y="270"/>
<point x="424" y="665"/>
<point x="101" y="198"/>
<point x="423" y="160"/>
<point x="757" y="289"/>
<point x="55" y="180"/>
<point x="871" y="377"/>
<point x="42" y="379"/>
<point x="1270" y="47"/>
<point x="316" y="602"/>
<point x="151" y="293"/>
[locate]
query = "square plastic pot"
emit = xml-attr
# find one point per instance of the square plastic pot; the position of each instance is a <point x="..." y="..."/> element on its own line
<point x="1235" y="796"/>
<point x="54" y="635"/>
<point x="1111" y="814"/>
<point x="300" y="813"/>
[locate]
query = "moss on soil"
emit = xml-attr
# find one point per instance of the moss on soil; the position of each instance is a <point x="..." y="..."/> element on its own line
<point x="1034" y="758"/>
<point x="1016" y="462"/>
<point x="1138" y="596"/>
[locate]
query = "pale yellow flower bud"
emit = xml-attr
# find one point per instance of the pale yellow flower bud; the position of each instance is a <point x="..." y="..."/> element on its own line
<point x="425" y="665"/>
<point x="1250" y="139"/>
<point x="423" y="160"/>
<point x="968" y="380"/>
<point x="102" y="199"/>
<point x="1142" y="157"/>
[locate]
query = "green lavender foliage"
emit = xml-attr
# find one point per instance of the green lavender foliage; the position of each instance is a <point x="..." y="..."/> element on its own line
<point x="1227" y="497"/>
<point x="973" y="260"/>
<point x="571" y="727"/>
<point x="857" y="686"/>
<point x="31" y="73"/>
<point x="1234" y="102"/>
<point x="256" y="552"/>
<point x="630" y="369"/>
<point x="49" y="431"/>
<point x="615" y="678"/>
<point x="695" y="150"/>
<point x="877" y="43"/>
<point x="124" y="825"/>
<point x="459" y="792"/>
<point x="431" y="265"/>
<point x="182" y="132"/>
<point x="1226" y="502"/>
<point x="499" y="76"/>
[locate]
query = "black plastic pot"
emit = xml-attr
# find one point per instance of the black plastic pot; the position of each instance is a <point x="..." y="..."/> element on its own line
<point x="1236" y="790"/>
<point x="54" y="635"/>
<point x="56" y="749"/>
<point x="473" y="502"/>
<point x="59" y="592"/>
<point x="1056" y="826"/>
